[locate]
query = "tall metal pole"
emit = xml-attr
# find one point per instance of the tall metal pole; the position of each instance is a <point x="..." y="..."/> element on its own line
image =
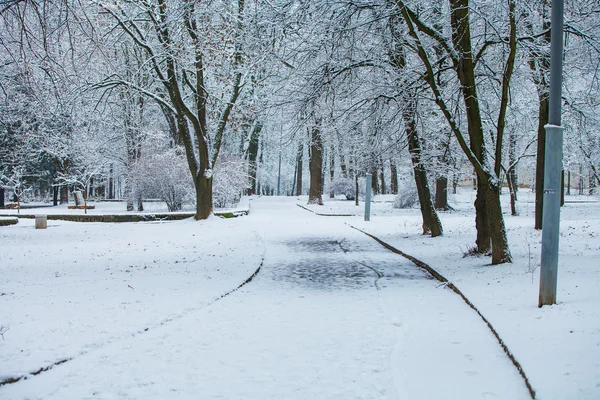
<point x="553" y="161"/>
<point x="367" y="198"/>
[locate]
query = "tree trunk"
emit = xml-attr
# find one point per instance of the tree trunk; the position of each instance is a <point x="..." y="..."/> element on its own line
<point x="331" y="171"/>
<point x="252" y="155"/>
<point x="431" y="221"/>
<point x="204" y="190"/>
<point x="489" y="221"/>
<point x="540" y="158"/>
<point x="483" y="240"/>
<point x="64" y="194"/>
<point x="568" y="183"/>
<point x="343" y="166"/>
<point x="55" y="191"/>
<point x="315" y="195"/>
<point x="356" y="189"/>
<point x="374" y="181"/>
<point x="299" y="168"/>
<point x="111" y="185"/>
<point x="382" y="176"/>
<point x="294" y="182"/>
<point x="512" y="188"/>
<point x="500" y="251"/>
<point x="441" y="193"/>
<point x="512" y="176"/>
<point x="581" y="186"/>
<point x="2" y="196"/>
<point x="394" y="177"/>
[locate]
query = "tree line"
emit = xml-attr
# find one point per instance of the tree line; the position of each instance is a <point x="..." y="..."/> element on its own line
<point x="200" y="101"/>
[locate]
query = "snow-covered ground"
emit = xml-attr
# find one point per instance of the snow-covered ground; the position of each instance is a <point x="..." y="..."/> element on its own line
<point x="558" y="346"/>
<point x="76" y="287"/>
<point x="331" y="314"/>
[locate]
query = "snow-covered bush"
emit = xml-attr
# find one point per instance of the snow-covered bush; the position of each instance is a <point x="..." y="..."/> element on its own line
<point x="165" y="175"/>
<point x="230" y="180"/>
<point x="344" y="186"/>
<point x="407" y="196"/>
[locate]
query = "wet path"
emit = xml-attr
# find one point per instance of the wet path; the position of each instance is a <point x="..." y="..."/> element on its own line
<point x="331" y="315"/>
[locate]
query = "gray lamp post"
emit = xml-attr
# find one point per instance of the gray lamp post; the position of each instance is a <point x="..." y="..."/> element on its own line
<point x="553" y="164"/>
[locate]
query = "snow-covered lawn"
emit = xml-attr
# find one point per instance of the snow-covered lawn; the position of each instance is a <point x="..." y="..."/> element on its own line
<point x="558" y="346"/>
<point x="331" y="315"/>
<point x="75" y="287"/>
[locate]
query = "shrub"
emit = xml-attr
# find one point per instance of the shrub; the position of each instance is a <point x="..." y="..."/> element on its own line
<point x="230" y="180"/>
<point x="407" y="196"/>
<point x="164" y="175"/>
<point x="344" y="186"/>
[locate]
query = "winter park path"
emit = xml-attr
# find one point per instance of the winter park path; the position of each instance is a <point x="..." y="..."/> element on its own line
<point x="331" y="315"/>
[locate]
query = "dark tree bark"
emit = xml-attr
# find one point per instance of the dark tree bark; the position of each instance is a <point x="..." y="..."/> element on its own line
<point x="55" y="193"/>
<point x="331" y="170"/>
<point x="441" y="193"/>
<point x="315" y="194"/>
<point x="299" y="167"/>
<point x="431" y="221"/>
<point x="581" y="185"/>
<point x="374" y="180"/>
<point x="382" y="176"/>
<point x="461" y="37"/>
<point x="512" y="187"/>
<point x="64" y="194"/>
<point x="568" y="183"/>
<point x="454" y="182"/>
<point x="252" y="155"/>
<point x="511" y="174"/>
<point x="291" y="193"/>
<point x="343" y="166"/>
<point x="394" y="177"/>
<point x="172" y="123"/>
<point x="356" y="192"/>
<point x="2" y="197"/>
<point x="539" y="162"/>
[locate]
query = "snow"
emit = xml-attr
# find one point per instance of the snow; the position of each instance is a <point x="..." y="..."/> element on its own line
<point x="75" y="287"/>
<point x="558" y="346"/>
<point x="136" y="308"/>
